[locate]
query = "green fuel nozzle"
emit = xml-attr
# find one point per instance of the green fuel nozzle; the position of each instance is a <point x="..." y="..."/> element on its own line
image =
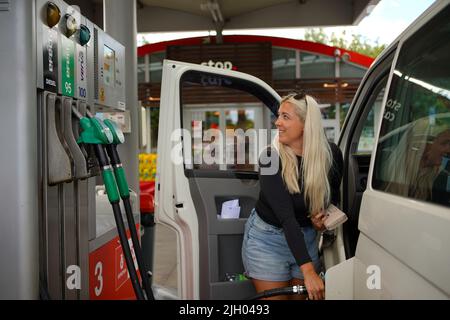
<point x="94" y="132"/>
<point x="119" y="172"/>
<point x="118" y="137"/>
<point x="111" y="149"/>
<point x="106" y="135"/>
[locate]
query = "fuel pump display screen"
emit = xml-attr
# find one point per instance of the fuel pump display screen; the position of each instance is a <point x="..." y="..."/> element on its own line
<point x="109" y="58"/>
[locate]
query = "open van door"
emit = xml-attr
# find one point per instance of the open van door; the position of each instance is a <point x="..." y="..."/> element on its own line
<point x="209" y="120"/>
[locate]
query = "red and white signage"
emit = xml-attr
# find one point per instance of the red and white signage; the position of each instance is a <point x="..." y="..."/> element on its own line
<point x="219" y="64"/>
<point x="108" y="274"/>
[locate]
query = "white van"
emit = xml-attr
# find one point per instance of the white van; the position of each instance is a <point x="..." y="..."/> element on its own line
<point x="396" y="193"/>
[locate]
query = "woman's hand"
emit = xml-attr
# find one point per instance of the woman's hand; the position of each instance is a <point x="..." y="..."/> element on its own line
<point x="318" y="221"/>
<point x="313" y="283"/>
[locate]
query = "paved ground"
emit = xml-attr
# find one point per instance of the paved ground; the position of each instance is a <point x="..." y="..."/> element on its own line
<point x="165" y="258"/>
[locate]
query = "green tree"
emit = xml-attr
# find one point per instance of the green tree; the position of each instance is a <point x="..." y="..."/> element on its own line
<point x="144" y="40"/>
<point x="154" y="116"/>
<point x="357" y="44"/>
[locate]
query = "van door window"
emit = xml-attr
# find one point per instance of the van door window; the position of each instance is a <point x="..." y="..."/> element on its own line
<point x="414" y="146"/>
<point x="366" y="140"/>
<point x="225" y="118"/>
<point x="360" y="151"/>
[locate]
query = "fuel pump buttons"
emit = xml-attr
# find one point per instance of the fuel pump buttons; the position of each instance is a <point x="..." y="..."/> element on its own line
<point x="70" y="25"/>
<point x="53" y="14"/>
<point x="85" y="35"/>
<point x="117" y="133"/>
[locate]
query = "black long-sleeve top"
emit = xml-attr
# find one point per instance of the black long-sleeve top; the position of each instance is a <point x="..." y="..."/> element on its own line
<point x="281" y="209"/>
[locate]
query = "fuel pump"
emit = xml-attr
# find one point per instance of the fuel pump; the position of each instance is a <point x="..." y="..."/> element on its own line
<point x="78" y="70"/>
<point x="119" y="172"/>
<point x="94" y="132"/>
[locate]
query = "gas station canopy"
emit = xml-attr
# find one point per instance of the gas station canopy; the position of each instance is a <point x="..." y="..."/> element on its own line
<point x="195" y="15"/>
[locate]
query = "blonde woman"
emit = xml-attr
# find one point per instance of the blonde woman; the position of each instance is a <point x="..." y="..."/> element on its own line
<point x="280" y="240"/>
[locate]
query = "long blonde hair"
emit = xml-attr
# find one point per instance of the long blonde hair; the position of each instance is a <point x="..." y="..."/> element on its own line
<point x="317" y="157"/>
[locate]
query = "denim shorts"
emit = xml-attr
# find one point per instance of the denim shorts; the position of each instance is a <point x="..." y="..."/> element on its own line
<point x="266" y="254"/>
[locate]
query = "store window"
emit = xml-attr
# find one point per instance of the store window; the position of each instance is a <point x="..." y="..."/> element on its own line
<point x="141" y="69"/>
<point x="413" y="153"/>
<point x="343" y="111"/>
<point x="223" y="116"/>
<point x="350" y="70"/>
<point x="329" y="121"/>
<point x="316" y="66"/>
<point x="240" y="119"/>
<point x="283" y="64"/>
<point x="328" y="111"/>
<point x="226" y="120"/>
<point x="155" y="66"/>
<point x="367" y="138"/>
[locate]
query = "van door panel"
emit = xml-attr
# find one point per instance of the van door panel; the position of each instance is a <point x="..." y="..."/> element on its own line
<point x="222" y="238"/>
<point x="406" y="229"/>
<point x="397" y="280"/>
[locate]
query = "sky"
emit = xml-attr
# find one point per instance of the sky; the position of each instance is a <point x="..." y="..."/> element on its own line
<point x="386" y="21"/>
